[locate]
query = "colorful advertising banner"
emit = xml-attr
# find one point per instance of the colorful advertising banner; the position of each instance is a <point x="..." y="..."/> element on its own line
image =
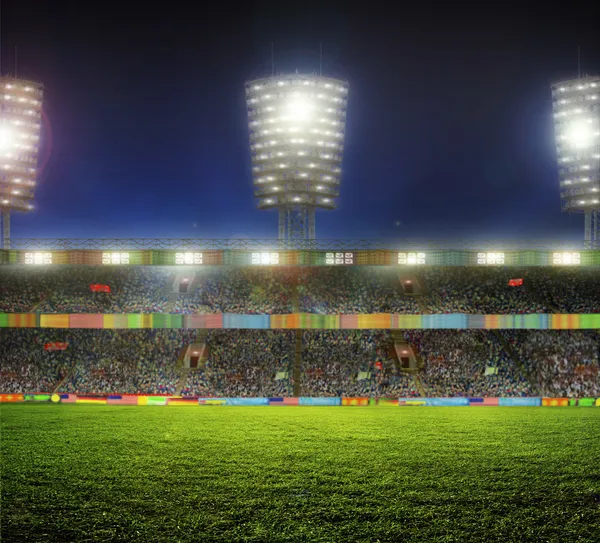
<point x="247" y="401"/>
<point x="319" y="401"/>
<point x="520" y="402"/>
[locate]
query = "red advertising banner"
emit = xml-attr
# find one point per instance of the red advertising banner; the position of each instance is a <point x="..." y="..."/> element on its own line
<point x="56" y="346"/>
<point x="100" y="288"/>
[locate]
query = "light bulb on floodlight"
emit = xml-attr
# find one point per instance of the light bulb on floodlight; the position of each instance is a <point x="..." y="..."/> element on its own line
<point x="579" y="135"/>
<point x="6" y="137"/>
<point x="299" y="110"/>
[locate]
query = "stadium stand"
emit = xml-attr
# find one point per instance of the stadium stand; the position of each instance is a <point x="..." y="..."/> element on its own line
<point x="561" y="363"/>
<point x="455" y="363"/>
<point x="96" y="361"/>
<point x="320" y="290"/>
<point x="332" y="363"/>
<point x="248" y="363"/>
<point x="238" y="290"/>
<point x="353" y="291"/>
<point x="244" y="363"/>
<point x="351" y="363"/>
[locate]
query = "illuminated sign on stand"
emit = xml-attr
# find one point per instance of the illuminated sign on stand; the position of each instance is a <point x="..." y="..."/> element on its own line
<point x="265" y="259"/>
<point x="188" y="258"/>
<point x="336" y="259"/>
<point x="411" y="258"/>
<point x="490" y="258"/>
<point x="115" y="258"/>
<point x="38" y="258"/>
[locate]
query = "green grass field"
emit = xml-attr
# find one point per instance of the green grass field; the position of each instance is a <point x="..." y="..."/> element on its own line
<point x="110" y="473"/>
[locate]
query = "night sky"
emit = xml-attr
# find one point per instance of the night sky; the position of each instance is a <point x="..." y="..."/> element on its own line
<point x="449" y="129"/>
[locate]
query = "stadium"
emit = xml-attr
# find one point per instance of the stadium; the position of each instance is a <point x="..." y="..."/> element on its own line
<point x="299" y="388"/>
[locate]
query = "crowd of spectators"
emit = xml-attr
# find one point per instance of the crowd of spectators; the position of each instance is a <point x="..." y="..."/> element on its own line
<point x="249" y="291"/>
<point x="131" y="362"/>
<point x="320" y="290"/>
<point x="455" y="363"/>
<point x="26" y="367"/>
<point x="562" y="363"/>
<point x="353" y="290"/>
<point x="22" y="289"/>
<point x="245" y="363"/>
<point x="478" y="291"/>
<point x="569" y="290"/>
<point x="95" y="361"/>
<point x="352" y="363"/>
<point x="138" y="289"/>
<point x="248" y="363"/>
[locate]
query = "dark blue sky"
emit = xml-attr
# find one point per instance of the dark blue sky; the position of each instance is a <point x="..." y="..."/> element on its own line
<point x="449" y="126"/>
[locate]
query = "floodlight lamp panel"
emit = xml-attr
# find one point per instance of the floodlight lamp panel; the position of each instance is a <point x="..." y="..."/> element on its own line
<point x="299" y="109"/>
<point x="6" y="137"/>
<point x="579" y="135"/>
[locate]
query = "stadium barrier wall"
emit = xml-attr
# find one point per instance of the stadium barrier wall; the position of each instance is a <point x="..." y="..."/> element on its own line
<point x="246" y="401"/>
<point x="434" y="402"/>
<point x="91" y="400"/>
<point x="161" y="400"/>
<point x="411" y="402"/>
<point x="447" y="402"/>
<point x="181" y="401"/>
<point x="122" y="400"/>
<point x="355" y="401"/>
<point x="555" y="402"/>
<point x="385" y="402"/>
<point x="11" y="398"/>
<point x="319" y="401"/>
<point x="302" y="321"/>
<point x="212" y="401"/>
<point x="283" y="401"/>
<point x="582" y="402"/>
<point x="483" y="402"/>
<point x="36" y="397"/>
<point x="519" y="402"/>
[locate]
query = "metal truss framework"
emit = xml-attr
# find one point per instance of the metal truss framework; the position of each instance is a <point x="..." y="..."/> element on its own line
<point x="189" y="244"/>
<point x="592" y="230"/>
<point x="296" y="223"/>
<point x="5" y="228"/>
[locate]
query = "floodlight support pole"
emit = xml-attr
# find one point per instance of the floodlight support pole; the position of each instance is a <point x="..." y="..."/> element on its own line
<point x="311" y="223"/>
<point x="592" y="229"/>
<point x="296" y="222"/>
<point x="5" y="228"/>
<point x="282" y="228"/>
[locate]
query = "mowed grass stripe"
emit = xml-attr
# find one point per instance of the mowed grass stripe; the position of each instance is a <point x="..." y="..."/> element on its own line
<point x="114" y="473"/>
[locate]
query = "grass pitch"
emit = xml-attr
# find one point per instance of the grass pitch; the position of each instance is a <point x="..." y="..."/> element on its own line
<point x="294" y="474"/>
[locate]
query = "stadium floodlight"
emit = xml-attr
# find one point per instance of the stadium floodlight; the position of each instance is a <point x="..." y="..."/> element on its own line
<point x="38" y="258"/>
<point x="411" y="258"/>
<point x="297" y="141"/>
<point x="579" y="134"/>
<point x="566" y="259"/>
<point x="299" y="110"/>
<point x="6" y="137"/>
<point x="265" y="259"/>
<point x="490" y="258"/>
<point x="576" y="105"/>
<point x="337" y="259"/>
<point x="20" y="123"/>
<point x="115" y="258"/>
<point x="188" y="258"/>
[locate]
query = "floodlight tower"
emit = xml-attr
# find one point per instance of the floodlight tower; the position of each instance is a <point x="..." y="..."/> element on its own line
<point x="297" y="142"/>
<point x="576" y="105"/>
<point x="20" y="123"/>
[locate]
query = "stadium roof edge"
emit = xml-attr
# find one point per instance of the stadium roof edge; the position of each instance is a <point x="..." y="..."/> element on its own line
<point x="355" y="244"/>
